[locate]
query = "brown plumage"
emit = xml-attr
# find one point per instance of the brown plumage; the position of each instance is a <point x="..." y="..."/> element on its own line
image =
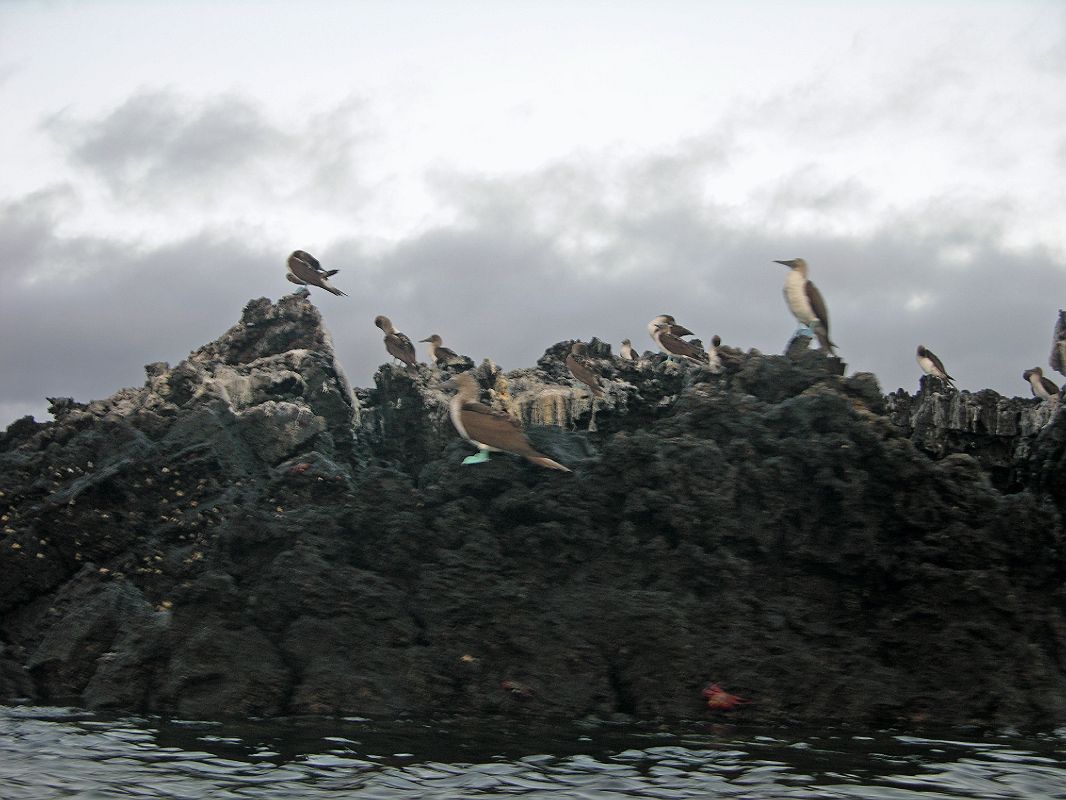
<point x="806" y="302"/>
<point x="397" y="344"/>
<point x="1058" y="344"/>
<point x="671" y="326"/>
<point x="674" y="345"/>
<point x="932" y="365"/>
<point x="490" y="430"/>
<point x="439" y="354"/>
<point x="305" y="270"/>
<point x="580" y="367"/>
<point x="1041" y="387"/>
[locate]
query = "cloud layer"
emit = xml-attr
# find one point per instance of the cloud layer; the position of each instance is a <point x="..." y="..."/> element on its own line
<point x="511" y="191"/>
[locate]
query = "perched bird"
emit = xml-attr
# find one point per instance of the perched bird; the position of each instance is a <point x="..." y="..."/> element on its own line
<point x="490" y="431"/>
<point x="578" y="364"/>
<point x="1058" y="344"/>
<point x="439" y="354"/>
<point x="713" y="358"/>
<point x="672" y="327"/>
<point x="305" y="270"/>
<point x="627" y="352"/>
<point x="931" y="365"/>
<point x="398" y="345"/>
<point x="674" y="345"/>
<point x="1042" y="387"/>
<point x="806" y="303"/>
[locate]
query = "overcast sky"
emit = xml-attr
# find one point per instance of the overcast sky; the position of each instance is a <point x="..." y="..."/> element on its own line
<point x="509" y="175"/>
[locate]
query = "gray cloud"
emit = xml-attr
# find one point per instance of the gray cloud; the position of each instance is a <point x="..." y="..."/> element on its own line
<point x="164" y="147"/>
<point x="574" y="250"/>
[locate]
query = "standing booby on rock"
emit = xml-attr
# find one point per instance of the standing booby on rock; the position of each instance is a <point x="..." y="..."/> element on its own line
<point x="672" y="327"/>
<point x="674" y="345"/>
<point x="305" y="270"/>
<point x="1042" y="387"/>
<point x="398" y="345"/>
<point x="806" y="303"/>
<point x="578" y="364"/>
<point x="492" y="431"/>
<point x="628" y="353"/>
<point x="931" y="365"/>
<point x="1058" y="344"/>
<point x="712" y="354"/>
<point x="439" y="354"/>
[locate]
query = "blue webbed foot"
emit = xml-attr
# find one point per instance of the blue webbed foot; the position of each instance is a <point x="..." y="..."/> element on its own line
<point x="481" y="456"/>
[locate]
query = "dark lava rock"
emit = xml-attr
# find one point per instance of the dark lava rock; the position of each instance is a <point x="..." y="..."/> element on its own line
<point x="243" y="536"/>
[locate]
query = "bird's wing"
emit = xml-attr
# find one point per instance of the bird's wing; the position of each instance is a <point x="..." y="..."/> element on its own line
<point x="1049" y="385"/>
<point x="399" y="346"/>
<point x="679" y="330"/>
<point x="495" y="429"/>
<point x="679" y="347"/>
<point x="581" y="370"/>
<point x="308" y="259"/>
<point x="446" y="354"/>
<point x="304" y="271"/>
<point x="938" y="364"/>
<point x="817" y="305"/>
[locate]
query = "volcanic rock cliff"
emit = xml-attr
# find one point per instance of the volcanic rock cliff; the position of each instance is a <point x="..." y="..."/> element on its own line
<point x="247" y="535"/>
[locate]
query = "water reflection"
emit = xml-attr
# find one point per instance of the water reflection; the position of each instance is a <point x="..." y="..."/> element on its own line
<point x="64" y="753"/>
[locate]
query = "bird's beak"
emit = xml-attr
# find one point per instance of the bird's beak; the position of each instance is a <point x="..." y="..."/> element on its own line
<point x="423" y="340"/>
<point x="789" y="264"/>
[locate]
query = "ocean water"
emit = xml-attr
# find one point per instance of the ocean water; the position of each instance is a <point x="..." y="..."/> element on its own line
<point x="65" y="753"/>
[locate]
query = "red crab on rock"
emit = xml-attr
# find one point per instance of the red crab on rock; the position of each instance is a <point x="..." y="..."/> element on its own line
<point x="718" y="699"/>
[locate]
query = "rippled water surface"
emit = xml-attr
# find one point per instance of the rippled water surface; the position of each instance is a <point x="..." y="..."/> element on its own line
<point x="54" y="753"/>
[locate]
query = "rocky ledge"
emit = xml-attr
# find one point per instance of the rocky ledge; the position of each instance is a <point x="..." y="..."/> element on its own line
<point x="246" y="535"/>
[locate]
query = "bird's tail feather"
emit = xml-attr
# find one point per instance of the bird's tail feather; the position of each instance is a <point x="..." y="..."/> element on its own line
<point x="544" y="461"/>
<point x="335" y="291"/>
<point x="330" y="273"/>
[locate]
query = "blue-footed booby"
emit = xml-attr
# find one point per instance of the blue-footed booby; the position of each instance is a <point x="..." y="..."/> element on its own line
<point x="806" y="303"/>
<point x="578" y="364"/>
<point x="671" y="327"/>
<point x="491" y="431"/>
<point x="1058" y="344"/>
<point x="713" y="358"/>
<point x="674" y="345"/>
<point x="439" y="354"/>
<point x="627" y="353"/>
<point x="398" y="345"/>
<point x="1042" y="387"/>
<point x="931" y="365"/>
<point x="305" y="270"/>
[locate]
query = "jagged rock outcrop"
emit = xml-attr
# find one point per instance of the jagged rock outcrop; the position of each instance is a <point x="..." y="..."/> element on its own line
<point x="244" y="535"/>
<point x="997" y="431"/>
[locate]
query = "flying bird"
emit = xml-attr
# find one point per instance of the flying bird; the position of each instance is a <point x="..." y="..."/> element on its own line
<point x="628" y="353"/>
<point x="931" y="365"/>
<point x="398" y="345"/>
<point x="580" y="367"/>
<point x="806" y="303"/>
<point x="673" y="345"/>
<point x="439" y="354"/>
<point x="305" y="270"/>
<point x="1042" y="387"/>
<point x="491" y="431"/>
